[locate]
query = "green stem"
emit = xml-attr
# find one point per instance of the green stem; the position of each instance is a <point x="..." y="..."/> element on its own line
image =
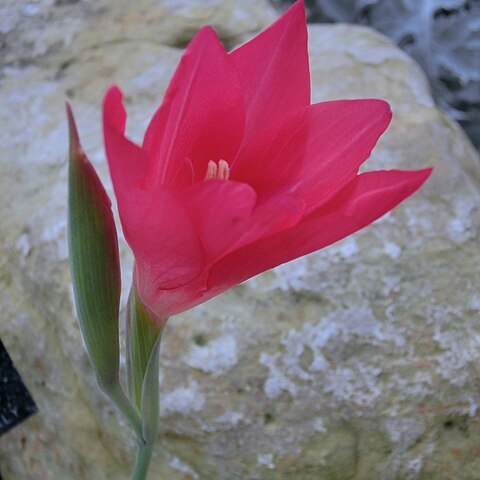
<point x="144" y="334"/>
<point x="142" y="460"/>
<point x="116" y="394"/>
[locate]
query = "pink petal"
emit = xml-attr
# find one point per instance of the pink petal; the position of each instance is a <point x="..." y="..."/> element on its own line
<point x="274" y="70"/>
<point x="201" y="118"/>
<point x="313" y="152"/>
<point x="127" y="162"/>
<point x="227" y="215"/>
<point x="220" y="211"/>
<point x="275" y="215"/>
<point x="224" y="217"/>
<point x="155" y="222"/>
<point x="166" y="245"/>
<point x="366" y="198"/>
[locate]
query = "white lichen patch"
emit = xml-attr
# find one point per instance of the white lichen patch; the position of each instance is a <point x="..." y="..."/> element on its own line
<point x="358" y="385"/>
<point x="457" y="350"/>
<point x="475" y="302"/>
<point x="216" y="357"/>
<point x="473" y="406"/>
<point x="23" y="244"/>
<point x="286" y="277"/>
<point x="180" y="466"/>
<point x="319" y="425"/>
<point x="266" y="460"/>
<point x="277" y="382"/>
<point x="461" y="228"/>
<point x="300" y="275"/>
<point x="56" y="233"/>
<point x="51" y="230"/>
<point x="321" y="354"/>
<point x="392" y="250"/>
<point x="419" y="223"/>
<point x="346" y="248"/>
<point x="391" y="284"/>
<point x="417" y="387"/>
<point x="404" y="432"/>
<point x="182" y="400"/>
<point x="457" y="230"/>
<point x="231" y="419"/>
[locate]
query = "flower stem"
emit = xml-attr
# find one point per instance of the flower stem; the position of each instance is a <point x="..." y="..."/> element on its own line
<point x="144" y="335"/>
<point x="142" y="460"/>
<point x="116" y="394"/>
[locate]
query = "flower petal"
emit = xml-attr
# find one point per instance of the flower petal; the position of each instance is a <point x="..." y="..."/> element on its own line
<point x="155" y="222"/>
<point x="225" y="233"/>
<point x="275" y="215"/>
<point x="274" y="70"/>
<point x="220" y="210"/>
<point x="313" y="152"/>
<point x="201" y="118"/>
<point x="167" y="249"/>
<point x="368" y="197"/>
<point x="126" y="161"/>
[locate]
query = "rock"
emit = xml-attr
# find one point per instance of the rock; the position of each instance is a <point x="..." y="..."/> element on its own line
<point x="357" y="362"/>
<point x="75" y="26"/>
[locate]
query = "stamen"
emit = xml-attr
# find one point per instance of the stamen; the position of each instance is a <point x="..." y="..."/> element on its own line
<point x="211" y="170"/>
<point x="217" y="172"/>
<point x="223" y="170"/>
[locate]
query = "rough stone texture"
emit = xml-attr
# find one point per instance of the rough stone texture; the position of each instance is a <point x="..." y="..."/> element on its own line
<point x="359" y="362"/>
<point x="35" y="29"/>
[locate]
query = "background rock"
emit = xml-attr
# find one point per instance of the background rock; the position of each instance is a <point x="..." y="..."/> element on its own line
<point x="442" y="36"/>
<point x="35" y="30"/>
<point x="358" y="362"/>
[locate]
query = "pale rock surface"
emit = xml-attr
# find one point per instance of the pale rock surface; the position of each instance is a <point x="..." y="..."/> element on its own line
<point x="359" y="362"/>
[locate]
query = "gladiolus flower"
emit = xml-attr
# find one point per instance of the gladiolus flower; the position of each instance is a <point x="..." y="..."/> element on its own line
<point x="238" y="172"/>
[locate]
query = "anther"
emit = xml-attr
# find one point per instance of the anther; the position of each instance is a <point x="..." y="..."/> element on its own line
<point x="220" y="171"/>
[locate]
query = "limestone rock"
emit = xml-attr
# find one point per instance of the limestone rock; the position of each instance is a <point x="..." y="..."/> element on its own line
<point x="32" y="31"/>
<point x="357" y="362"/>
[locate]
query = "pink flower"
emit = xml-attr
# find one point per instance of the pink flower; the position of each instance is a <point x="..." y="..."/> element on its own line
<point x="238" y="172"/>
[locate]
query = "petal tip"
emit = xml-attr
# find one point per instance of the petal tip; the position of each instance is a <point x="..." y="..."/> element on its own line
<point x="72" y="130"/>
<point x="423" y="175"/>
<point x="297" y="12"/>
<point x="381" y="108"/>
<point x="206" y="34"/>
<point x="379" y="103"/>
<point x="114" y="114"/>
<point x="113" y="94"/>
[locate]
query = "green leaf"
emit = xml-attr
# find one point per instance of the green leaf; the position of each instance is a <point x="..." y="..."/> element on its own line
<point x="94" y="262"/>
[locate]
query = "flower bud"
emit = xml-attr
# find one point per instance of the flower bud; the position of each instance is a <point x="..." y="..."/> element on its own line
<point x="94" y="261"/>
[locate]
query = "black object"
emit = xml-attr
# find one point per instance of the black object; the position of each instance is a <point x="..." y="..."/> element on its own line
<point x="16" y="403"/>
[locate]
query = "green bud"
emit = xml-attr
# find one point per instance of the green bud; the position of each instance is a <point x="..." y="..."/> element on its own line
<point x="94" y="261"/>
<point x="144" y="333"/>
